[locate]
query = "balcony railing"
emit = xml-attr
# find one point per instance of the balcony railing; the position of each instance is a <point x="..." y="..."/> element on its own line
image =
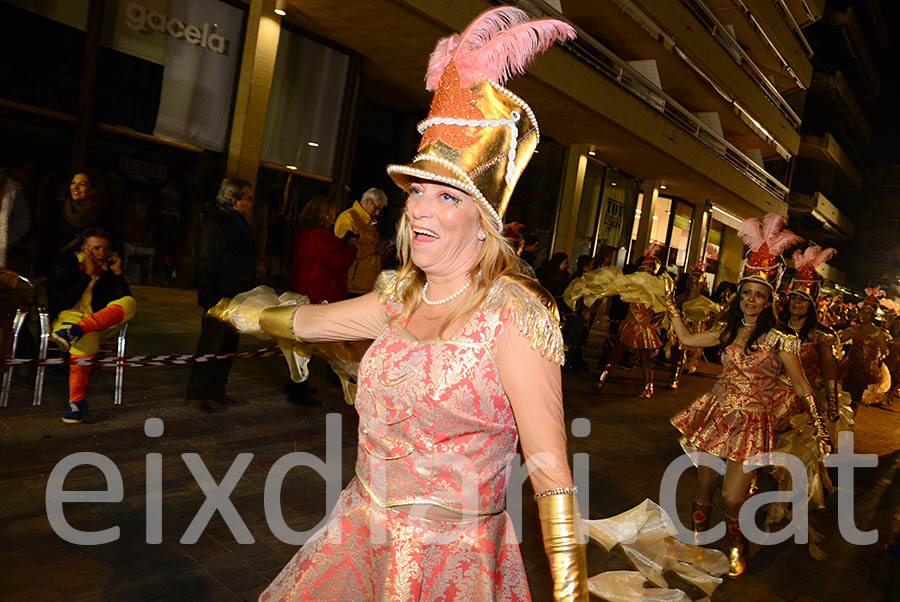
<point x="591" y="52"/>
<point x="740" y="56"/>
<point x="795" y="27"/>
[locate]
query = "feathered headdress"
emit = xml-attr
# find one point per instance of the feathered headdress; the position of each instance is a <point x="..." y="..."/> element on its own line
<point x="766" y="240"/>
<point x="873" y="296"/>
<point x="478" y="136"/>
<point x="807" y="281"/>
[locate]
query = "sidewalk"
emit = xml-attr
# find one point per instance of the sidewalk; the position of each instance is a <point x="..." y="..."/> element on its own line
<point x="630" y="445"/>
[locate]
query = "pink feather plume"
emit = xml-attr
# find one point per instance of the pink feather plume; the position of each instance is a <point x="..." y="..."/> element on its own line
<point x="812" y="256"/>
<point x="498" y="44"/>
<point x="755" y="233"/>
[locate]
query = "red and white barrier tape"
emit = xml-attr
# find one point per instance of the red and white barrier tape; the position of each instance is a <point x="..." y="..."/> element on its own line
<point x="139" y="361"/>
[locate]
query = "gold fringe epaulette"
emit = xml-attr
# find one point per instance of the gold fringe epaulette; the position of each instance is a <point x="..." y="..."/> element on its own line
<point x="782" y="341"/>
<point x="387" y="286"/>
<point x="534" y="312"/>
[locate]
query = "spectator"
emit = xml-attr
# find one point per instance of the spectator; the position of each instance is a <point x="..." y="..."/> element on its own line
<point x="554" y="274"/>
<point x="531" y="244"/>
<point x="88" y="299"/>
<point x="724" y="293"/>
<point x="83" y="206"/>
<point x="361" y="219"/>
<point x="225" y="265"/>
<point x="15" y="216"/>
<point x="320" y="260"/>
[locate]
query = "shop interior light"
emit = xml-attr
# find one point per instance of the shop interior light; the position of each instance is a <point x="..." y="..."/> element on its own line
<point x="313" y="144"/>
<point x="662" y="186"/>
<point x="613" y="184"/>
<point x="280" y="7"/>
<point x="592" y="152"/>
<point x="291" y="167"/>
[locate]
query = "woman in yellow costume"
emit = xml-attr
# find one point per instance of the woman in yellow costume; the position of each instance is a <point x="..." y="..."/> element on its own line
<point x="638" y="330"/>
<point x="697" y="310"/>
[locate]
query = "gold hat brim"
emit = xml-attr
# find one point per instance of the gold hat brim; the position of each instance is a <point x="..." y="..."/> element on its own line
<point x="435" y="169"/>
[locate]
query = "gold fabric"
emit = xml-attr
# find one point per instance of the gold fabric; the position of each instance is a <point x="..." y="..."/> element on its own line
<point x="646" y="534"/>
<point x="565" y="547"/>
<point x="638" y="287"/>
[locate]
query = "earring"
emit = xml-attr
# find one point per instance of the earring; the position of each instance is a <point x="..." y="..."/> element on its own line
<point x="482" y="236"/>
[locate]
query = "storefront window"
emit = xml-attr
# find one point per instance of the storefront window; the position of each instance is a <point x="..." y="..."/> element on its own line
<point x="681" y="234"/>
<point x="303" y="118"/>
<point x="661" y="215"/>
<point x="170" y="71"/>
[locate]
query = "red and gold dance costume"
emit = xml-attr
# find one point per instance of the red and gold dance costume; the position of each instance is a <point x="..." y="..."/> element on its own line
<point x="740" y="417"/>
<point x="863" y="363"/>
<point x="435" y="429"/>
<point x="637" y="332"/>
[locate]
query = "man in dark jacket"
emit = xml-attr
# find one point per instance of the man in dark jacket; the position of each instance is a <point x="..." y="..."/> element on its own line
<point x="225" y="265"/>
<point x="89" y="299"/>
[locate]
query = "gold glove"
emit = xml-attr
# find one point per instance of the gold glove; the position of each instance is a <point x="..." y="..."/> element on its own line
<point x="561" y="526"/>
<point x="822" y="439"/>
<point x="278" y="322"/>
<point x="219" y="311"/>
<point x="831" y="399"/>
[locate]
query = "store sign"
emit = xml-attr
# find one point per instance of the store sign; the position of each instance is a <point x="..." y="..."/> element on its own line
<point x="614" y="213"/>
<point x="139" y="18"/>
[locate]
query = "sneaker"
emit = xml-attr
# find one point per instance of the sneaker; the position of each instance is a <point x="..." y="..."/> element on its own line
<point x="76" y="412"/>
<point x="66" y="337"/>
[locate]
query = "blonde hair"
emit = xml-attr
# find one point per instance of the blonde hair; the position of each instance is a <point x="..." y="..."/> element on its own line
<point x="496" y="259"/>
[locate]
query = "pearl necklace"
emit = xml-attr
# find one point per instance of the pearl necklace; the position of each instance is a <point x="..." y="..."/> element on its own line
<point x="744" y="322"/>
<point x="447" y="299"/>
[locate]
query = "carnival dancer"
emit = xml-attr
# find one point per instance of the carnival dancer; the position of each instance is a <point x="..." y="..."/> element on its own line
<point x="863" y="363"/>
<point x="466" y="360"/>
<point x="637" y="331"/>
<point x="697" y="311"/>
<point x="820" y="345"/>
<point x="739" y="418"/>
<point x="819" y="349"/>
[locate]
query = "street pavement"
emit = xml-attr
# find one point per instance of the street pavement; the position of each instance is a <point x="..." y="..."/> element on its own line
<point x="629" y="447"/>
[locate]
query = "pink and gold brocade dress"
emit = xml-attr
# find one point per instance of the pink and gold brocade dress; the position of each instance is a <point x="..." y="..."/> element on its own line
<point x="741" y="415"/>
<point x="435" y="428"/>
<point x="637" y="330"/>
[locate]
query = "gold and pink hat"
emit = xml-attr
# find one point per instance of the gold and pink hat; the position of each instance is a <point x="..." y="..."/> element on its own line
<point x="478" y="136"/>
<point x="766" y="240"/>
<point x="807" y="281"/>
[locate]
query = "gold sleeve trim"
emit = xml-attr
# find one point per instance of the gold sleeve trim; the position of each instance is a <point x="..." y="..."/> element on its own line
<point x="783" y="341"/>
<point x="533" y="311"/>
<point x="386" y="286"/>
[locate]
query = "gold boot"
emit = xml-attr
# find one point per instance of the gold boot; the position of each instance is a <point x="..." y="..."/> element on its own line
<point x="598" y="386"/>
<point x="647" y="393"/>
<point x="738" y="548"/>
<point x="700" y="513"/>
<point x="676" y="376"/>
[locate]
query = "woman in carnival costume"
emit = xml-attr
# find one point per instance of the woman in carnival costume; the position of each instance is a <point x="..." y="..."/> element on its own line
<point x="863" y="364"/>
<point x="697" y="310"/>
<point x="739" y="418"/>
<point x="637" y="331"/>
<point x="819" y="351"/>
<point x="465" y="361"/>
